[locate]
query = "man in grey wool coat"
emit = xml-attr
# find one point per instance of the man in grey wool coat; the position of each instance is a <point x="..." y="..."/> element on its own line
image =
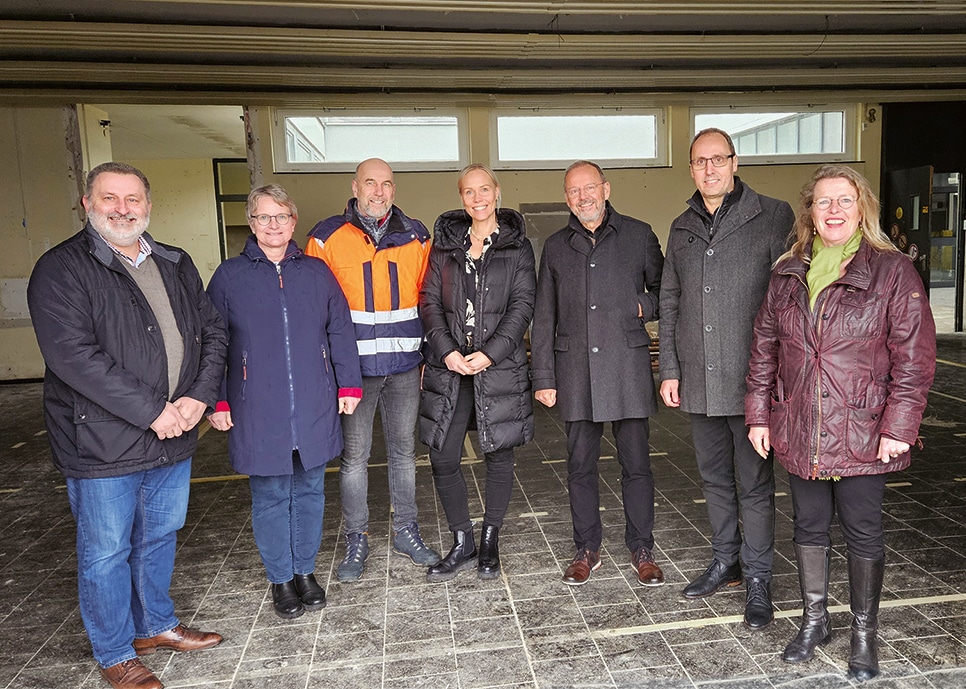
<point x="598" y="285"/>
<point x="719" y="257"/>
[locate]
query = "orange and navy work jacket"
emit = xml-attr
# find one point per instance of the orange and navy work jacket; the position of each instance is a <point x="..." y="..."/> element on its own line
<point x="381" y="284"/>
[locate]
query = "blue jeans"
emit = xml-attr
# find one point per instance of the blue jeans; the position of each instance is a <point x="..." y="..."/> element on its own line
<point x="287" y="520"/>
<point x="397" y="397"/>
<point x="126" y="537"/>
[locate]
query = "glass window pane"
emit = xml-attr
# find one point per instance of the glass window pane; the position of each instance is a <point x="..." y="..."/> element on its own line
<point x="808" y="132"/>
<point x="833" y="133"/>
<point x="351" y="139"/>
<point x="574" y="137"/>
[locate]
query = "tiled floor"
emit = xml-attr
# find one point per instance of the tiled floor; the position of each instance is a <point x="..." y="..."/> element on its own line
<point x="524" y="630"/>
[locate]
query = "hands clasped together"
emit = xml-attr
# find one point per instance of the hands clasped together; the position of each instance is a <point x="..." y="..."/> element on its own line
<point x="468" y="365"/>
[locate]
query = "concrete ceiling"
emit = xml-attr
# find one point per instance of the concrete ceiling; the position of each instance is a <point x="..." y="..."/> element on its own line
<point x="142" y="132"/>
<point x="305" y="52"/>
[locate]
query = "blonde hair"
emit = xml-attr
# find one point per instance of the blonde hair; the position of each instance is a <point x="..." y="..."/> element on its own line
<point x="274" y="192"/>
<point x="866" y="202"/>
<point x="473" y="167"/>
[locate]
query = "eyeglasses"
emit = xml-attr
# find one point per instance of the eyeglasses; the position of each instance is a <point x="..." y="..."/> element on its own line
<point x="843" y="202"/>
<point x="588" y="189"/>
<point x="265" y="220"/>
<point x="717" y="161"/>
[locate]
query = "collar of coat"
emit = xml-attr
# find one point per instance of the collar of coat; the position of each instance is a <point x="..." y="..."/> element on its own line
<point x="103" y="253"/>
<point x="740" y="206"/>
<point x="402" y="229"/>
<point x="449" y="232"/>
<point x="858" y="273"/>
<point x="255" y="252"/>
<point x="609" y="222"/>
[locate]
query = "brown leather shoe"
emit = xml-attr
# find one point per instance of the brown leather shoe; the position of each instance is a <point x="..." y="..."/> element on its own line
<point x="579" y="570"/>
<point x="131" y="674"/>
<point x="648" y="573"/>
<point x="178" y="639"/>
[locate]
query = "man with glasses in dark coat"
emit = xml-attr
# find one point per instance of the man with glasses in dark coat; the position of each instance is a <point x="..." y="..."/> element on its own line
<point x="719" y="257"/>
<point x="598" y="286"/>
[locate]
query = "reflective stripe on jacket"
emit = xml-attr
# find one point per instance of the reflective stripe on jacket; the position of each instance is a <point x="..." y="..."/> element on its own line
<point x="381" y="283"/>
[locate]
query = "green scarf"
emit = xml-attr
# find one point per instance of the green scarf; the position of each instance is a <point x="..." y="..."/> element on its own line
<point x="826" y="264"/>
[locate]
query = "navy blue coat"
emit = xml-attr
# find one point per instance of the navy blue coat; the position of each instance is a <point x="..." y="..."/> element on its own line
<point x="291" y="347"/>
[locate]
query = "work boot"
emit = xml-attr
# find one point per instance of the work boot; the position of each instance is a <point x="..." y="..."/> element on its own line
<point x="816" y="629"/>
<point x="408" y="543"/>
<point x="356" y="552"/>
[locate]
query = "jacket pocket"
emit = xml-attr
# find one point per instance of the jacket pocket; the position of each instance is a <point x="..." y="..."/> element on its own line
<point x="637" y="337"/>
<point x="860" y="315"/>
<point x="561" y="343"/>
<point x="102" y="438"/>
<point x="778" y="422"/>
<point x="862" y="433"/>
<point x="244" y="365"/>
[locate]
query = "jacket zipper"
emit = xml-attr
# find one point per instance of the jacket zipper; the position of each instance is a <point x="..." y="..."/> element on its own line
<point x="244" y="372"/>
<point x="325" y="359"/>
<point x="818" y="388"/>
<point x="288" y="358"/>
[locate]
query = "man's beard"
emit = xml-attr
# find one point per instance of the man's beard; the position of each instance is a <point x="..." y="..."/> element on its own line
<point x="116" y="228"/>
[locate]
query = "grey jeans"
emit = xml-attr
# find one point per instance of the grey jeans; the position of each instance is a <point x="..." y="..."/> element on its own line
<point x="397" y="397"/>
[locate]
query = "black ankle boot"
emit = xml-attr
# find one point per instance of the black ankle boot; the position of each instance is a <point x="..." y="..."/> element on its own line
<point x="489" y="563"/>
<point x="816" y="629"/>
<point x="461" y="556"/>
<point x="285" y="598"/>
<point x="311" y="594"/>
<point x="865" y="587"/>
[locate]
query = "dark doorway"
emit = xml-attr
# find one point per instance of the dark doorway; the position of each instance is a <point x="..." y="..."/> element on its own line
<point x="916" y="135"/>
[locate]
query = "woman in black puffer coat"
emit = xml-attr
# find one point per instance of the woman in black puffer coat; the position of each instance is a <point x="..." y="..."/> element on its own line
<point x="476" y="303"/>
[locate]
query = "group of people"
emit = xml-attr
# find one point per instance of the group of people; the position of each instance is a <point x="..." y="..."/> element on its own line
<point x="805" y="337"/>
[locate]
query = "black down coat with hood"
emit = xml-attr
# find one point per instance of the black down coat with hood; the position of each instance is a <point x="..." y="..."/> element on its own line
<point x="504" y="307"/>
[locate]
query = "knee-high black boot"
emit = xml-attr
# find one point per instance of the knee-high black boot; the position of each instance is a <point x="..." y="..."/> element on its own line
<point x="489" y="563"/>
<point x="461" y="556"/>
<point x="816" y="629"/>
<point x="865" y="587"/>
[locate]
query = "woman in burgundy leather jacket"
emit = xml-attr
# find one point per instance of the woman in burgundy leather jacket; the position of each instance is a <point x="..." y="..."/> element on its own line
<point x="843" y="354"/>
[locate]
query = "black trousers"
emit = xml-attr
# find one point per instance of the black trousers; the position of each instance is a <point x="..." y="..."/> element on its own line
<point x="858" y="502"/>
<point x="637" y="481"/>
<point x="448" y="472"/>
<point x="734" y="476"/>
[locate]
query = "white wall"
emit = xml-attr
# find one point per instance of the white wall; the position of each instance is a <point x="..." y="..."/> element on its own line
<point x="183" y="209"/>
<point x="39" y="202"/>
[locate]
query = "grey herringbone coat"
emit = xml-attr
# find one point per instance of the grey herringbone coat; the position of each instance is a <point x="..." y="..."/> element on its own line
<point x="711" y="290"/>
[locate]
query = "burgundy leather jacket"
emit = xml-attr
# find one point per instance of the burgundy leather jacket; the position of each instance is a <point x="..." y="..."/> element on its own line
<point x="829" y="382"/>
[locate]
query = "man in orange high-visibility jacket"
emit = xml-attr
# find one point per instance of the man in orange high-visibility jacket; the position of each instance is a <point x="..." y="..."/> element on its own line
<point x="379" y="256"/>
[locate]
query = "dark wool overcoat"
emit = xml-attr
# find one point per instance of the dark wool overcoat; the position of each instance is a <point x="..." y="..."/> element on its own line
<point x="588" y="342"/>
<point x="712" y="287"/>
<point x="504" y="307"/>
